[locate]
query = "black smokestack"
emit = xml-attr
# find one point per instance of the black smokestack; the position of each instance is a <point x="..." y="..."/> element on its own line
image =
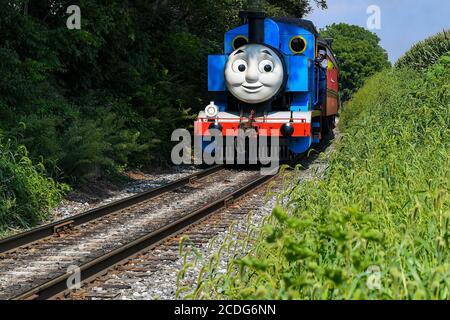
<point x="255" y="20"/>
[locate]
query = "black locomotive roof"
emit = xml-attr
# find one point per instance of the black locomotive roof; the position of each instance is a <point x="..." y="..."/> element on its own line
<point x="306" y="24"/>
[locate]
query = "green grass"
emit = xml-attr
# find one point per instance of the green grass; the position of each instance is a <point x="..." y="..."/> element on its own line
<point x="381" y="214"/>
<point x="26" y="194"/>
<point x="426" y="53"/>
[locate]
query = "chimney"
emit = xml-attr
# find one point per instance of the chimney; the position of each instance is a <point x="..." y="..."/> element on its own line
<point x="255" y="20"/>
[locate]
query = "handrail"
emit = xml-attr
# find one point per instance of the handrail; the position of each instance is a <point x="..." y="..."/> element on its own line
<point x="317" y="85"/>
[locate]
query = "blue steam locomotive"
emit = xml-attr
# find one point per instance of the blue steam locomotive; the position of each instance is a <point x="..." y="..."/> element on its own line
<point x="269" y="80"/>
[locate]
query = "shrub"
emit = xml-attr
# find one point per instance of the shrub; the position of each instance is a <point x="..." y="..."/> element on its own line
<point x="26" y="194"/>
<point x="426" y="53"/>
<point x="74" y="146"/>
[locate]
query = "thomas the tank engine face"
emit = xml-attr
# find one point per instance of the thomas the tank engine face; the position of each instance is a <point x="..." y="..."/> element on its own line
<point x="254" y="73"/>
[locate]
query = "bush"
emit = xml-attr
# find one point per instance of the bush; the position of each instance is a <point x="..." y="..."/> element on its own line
<point x="26" y="194"/>
<point x="75" y="147"/>
<point x="382" y="211"/>
<point x="426" y="53"/>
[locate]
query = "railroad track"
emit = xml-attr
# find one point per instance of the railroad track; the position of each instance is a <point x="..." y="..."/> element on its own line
<point x="48" y="230"/>
<point x="35" y="264"/>
<point x="153" y="273"/>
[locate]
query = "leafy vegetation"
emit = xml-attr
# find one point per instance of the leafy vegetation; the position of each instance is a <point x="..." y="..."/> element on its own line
<point x="377" y="225"/>
<point x="359" y="55"/>
<point x="426" y="53"/>
<point x="26" y="195"/>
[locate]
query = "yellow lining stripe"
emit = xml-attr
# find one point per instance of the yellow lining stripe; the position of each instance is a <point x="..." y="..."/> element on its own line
<point x="241" y="37"/>
<point x="298" y="37"/>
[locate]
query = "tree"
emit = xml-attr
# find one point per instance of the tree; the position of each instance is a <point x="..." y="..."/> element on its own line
<point x="294" y="8"/>
<point x="359" y="55"/>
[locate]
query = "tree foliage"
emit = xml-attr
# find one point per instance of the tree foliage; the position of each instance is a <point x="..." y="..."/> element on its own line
<point x="359" y="55"/>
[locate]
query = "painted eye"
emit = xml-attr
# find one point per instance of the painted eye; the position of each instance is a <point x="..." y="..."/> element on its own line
<point x="239" y="66"/>
<point x="266" y="66"/>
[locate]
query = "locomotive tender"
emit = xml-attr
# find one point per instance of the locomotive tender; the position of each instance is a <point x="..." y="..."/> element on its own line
<point x="267" y="80"/>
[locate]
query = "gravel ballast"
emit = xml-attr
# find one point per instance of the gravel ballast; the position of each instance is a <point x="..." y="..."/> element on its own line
<point x="162" y="283"/>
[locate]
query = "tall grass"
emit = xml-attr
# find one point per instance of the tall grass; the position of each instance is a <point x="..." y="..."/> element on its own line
<point x="377" y="225"/>
<point x="26" y="193"/>
<point x="426" y="53"/>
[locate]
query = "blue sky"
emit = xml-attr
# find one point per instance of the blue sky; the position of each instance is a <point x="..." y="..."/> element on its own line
<point x="403" y="22"/>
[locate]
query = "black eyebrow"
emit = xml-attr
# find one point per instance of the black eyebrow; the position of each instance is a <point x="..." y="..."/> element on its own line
<point x="238" y="52"/>
<point x="267" y="51"/>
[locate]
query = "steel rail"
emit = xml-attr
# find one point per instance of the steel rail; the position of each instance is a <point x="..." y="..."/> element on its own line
<point x="90" y="270"/>
<point x="28" y="237"/>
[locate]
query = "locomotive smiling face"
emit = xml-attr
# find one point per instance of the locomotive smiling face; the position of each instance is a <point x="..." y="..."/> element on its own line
<point x="254" y="73"/>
